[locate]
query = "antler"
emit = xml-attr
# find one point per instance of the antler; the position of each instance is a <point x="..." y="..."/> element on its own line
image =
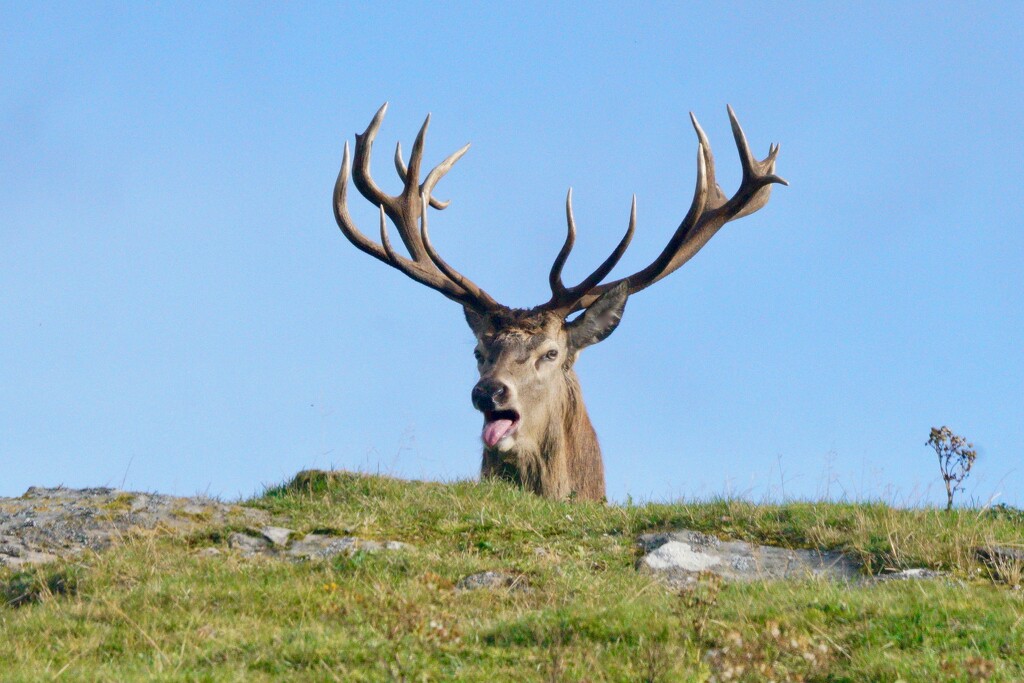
<point x="709" y="211"/>
<point x="408" y="211"/>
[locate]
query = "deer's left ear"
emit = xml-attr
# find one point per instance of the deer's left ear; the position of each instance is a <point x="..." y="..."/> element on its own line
<point x="599" y="319"/>
<point x="474" y="319"/>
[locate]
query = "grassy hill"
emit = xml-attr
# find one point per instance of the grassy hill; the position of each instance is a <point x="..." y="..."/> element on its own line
<point x="162" y="606"/>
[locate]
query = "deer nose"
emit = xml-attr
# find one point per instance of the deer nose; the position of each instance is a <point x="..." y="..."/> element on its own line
<point x="488" y="393"/>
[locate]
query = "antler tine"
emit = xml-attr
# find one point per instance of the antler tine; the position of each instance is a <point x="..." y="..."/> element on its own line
<point x="758" y="176"/>
<point x="440" y="171"/>
<point x="759" y="173"/>
<point x="468" y="285"/>
<point x="400" y="209"/>
<point x="566" y="297"/>
<point x="715" y="195"/>
<point x="412" y="177"/>
<point x="563" y="297"/>
<point x="385" y="241"/>
<point x="361" y="168"/>
<point x="613" y="259"/>
<point x="404" y="211"/>
<point x="555" y="277"/>
<point x="701" y="202"/>
<point x="403" y="172"/>
<point x="708" y="212"/>
<point x="746" y="158"/>
<point x="344" y="220"/>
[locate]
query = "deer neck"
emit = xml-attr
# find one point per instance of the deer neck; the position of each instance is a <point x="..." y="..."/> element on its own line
<point x="580" y="450"/>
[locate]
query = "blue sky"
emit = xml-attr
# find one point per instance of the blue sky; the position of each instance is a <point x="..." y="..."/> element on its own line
<point x="178" y="311"/>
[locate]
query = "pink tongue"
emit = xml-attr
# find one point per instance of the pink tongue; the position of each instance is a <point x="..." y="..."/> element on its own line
<point x="496" y="430"/>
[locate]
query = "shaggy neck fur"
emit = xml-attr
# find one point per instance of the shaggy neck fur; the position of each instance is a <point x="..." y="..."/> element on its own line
<point x="566" y="463"/>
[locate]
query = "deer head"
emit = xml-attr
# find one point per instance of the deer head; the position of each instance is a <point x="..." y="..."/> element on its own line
<point x="536" y="430"/>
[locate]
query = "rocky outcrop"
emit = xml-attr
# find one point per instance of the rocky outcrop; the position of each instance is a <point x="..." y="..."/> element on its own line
<point x="679" y="557"/>
<point x="46" y="524"/>
<point x="492" y="580"/>
<point x="285" y="543"/>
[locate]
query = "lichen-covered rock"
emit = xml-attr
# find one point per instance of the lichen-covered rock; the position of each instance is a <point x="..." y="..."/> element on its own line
<point x="46" y="524"/>
<point x="1000" y="555"/>
<point x="247" y="544"/>
<point x="320" y="546"/>
<point x="280" y="542"/>
<point x="278" y="536"/>
<point x="490" y="579"/>
<point x="913" y="574"/>
<point x="679" y="557"/>
<point x="15" y="554"/>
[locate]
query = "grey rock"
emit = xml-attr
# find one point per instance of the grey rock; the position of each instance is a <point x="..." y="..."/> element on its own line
<point x="190" y="509"/>
<point x="322" y="546"/>
<point x="914" y="574"/>
<point x="1000" y="555"/>
<point x="681" y="556"/>
<point x="678" y="557"/>
<point x="490" y="579"/>
<point x="697" y="540"/>
<point x="23" y="556"/>
<point x="278" y="542"/>
<point x="278" y="536"/>
<point x="248" y="545"/>
<point x="46" y="524"/>
<point x="309" y="546"/>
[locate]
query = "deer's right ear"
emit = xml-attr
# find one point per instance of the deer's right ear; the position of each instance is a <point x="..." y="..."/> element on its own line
<point x="599" y="319"/>
<point x="475" y="320"/>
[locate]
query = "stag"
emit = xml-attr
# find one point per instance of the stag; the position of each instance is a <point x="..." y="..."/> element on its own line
<point x="536" y="431"/>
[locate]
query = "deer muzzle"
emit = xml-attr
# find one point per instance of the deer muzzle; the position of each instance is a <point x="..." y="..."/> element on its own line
<point x="491" y="397"/>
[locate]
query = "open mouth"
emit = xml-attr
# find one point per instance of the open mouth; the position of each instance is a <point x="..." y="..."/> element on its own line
<point x="499" y="424"/>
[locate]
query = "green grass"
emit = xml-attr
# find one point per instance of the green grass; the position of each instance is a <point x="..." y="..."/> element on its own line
<point x="154" y="608"/>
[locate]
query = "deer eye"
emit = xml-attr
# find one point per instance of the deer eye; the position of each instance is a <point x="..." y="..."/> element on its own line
<point x="479" y="356"/>
<point x="552" y="354"/>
